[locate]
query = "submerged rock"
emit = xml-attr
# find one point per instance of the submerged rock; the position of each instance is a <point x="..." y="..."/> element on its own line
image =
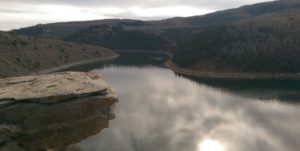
<point x="54" y="111"/>
<point x="11" y="146"/>
<point x="8" y="130"/>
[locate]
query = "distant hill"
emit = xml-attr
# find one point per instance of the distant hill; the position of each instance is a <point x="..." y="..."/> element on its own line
<point x="146" y="35"/>
<point x="267" y="43"/>
<point x="116" y="37"/>
<point x="65" y="29"/>
<point x="21" y="55"/>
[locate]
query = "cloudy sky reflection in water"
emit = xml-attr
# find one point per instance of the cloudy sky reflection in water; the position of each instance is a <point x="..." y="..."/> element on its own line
<point x="158" y="111"/>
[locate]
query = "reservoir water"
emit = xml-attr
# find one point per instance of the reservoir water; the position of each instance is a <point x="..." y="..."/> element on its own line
<point x="162" y="111"/>
<point x="159" y="110"/>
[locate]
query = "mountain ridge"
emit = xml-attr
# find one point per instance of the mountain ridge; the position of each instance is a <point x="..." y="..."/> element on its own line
<point x="169" y="30"/>
<point x="235" y="40"/>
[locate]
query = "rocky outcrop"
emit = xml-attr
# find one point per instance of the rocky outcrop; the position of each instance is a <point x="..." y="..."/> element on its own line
<point x="53" y="111"/>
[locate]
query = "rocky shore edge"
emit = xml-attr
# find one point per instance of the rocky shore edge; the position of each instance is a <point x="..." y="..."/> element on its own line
<point x="229" y="75"/>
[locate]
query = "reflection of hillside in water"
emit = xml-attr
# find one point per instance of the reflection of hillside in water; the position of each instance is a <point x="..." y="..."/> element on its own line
<point x="128" y="59"/>
<point x="35" y="126"/>
<point x="140" y="59"/>
<point x="264" y="89"/>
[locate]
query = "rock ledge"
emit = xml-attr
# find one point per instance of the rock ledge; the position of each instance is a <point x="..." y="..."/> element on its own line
<point x="51" y="88"/>
<point x="53" y="111"/>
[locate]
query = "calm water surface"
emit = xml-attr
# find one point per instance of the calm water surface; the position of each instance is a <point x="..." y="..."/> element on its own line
<point x="162" y="111"/>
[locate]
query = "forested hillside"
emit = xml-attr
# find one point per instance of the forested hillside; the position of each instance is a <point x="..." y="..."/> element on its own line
<point x="115" y="37"/>
<point x="269" y="43"/>
<point x="262" y="37"/>
<point x="149" y="35"/>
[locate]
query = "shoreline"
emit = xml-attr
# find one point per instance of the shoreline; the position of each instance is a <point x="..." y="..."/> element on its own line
<point x="145" y="51"/>
<point x="237" y="75"/>
<point x="79" y="63"/>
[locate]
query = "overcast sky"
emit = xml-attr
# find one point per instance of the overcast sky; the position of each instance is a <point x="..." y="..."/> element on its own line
<point x="22" y="13"/>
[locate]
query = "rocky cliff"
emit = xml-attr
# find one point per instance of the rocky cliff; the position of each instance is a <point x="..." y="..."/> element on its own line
<point x="53" y="111"/>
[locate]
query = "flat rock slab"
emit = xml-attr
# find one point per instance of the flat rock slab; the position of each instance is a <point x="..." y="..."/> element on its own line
<point x="52" y="88"/>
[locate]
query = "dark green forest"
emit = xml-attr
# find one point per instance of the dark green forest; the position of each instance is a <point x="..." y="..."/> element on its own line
<point x="269" y="43"/>
<point x="115" y="37"/>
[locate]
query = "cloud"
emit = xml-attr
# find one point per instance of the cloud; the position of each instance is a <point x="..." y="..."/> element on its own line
<point x="19" y="13"/>
<point x="161" y="112"/>
<point x="142" y="3"/>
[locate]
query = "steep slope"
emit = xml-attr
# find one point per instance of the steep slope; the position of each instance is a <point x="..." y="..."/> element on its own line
<point x="268" y="43"/>
<point x="163" y="34"/>
<point x="21" y="55"/>
<point x="116" y="37"/>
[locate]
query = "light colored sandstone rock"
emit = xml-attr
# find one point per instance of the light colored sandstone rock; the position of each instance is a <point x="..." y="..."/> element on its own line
<point x="51" y="88"/>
